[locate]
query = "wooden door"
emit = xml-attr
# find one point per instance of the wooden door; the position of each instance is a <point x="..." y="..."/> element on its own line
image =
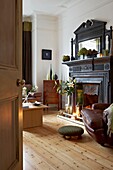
<point x="10" y="93"/>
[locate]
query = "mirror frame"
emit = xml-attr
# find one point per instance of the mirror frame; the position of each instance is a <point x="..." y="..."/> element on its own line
<point x="91" y="29"/>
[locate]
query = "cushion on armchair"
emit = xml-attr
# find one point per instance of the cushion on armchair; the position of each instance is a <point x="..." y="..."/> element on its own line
<point x="108" y="118"/>
<point x="100" y="106"/>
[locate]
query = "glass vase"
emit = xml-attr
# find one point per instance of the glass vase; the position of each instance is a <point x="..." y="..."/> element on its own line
<point x="69" y="100"/>
<point x="69" y="106"/>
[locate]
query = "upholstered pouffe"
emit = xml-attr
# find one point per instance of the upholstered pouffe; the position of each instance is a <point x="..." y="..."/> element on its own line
<point x="68" y="131"/>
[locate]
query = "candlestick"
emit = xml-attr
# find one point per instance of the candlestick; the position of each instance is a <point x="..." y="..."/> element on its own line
<point x="72" y="58"/>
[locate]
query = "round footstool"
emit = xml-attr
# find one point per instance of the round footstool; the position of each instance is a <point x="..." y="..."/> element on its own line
<point x="68" y="131"/>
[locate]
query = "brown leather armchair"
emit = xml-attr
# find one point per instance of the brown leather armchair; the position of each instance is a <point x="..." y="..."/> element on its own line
<point x="96" y="123"/>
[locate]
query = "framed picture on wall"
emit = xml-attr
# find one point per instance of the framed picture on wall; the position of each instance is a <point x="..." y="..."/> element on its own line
<point x="46" y="54"/>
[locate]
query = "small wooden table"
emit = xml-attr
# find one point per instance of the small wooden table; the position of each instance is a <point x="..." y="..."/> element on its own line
<point x="32" y="115"/>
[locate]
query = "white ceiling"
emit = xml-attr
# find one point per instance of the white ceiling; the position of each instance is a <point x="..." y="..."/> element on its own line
<point x="51" y="7"/>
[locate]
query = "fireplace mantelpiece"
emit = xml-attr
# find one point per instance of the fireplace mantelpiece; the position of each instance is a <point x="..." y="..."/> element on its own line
<point x="97" y="71"/>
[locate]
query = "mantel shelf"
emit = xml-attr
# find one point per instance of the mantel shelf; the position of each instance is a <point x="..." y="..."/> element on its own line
<point x="88" y="61"/>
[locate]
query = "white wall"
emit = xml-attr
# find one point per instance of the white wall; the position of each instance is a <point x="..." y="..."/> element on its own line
<point x="45" y="36"/>
<point x="72" y="18"/>
<point x="55" y="33"/>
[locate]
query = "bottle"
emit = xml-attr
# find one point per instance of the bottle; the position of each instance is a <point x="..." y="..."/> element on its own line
<point x="55" y="77"/>
<point x="50" y="71"/>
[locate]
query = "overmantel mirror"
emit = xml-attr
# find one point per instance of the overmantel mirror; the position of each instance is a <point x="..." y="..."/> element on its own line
<point x="92" y="36"/>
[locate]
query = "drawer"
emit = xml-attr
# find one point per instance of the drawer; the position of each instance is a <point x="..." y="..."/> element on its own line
<point x="50" y="88"/>
<point x="51" y="101"/>
<point x="51" y="95"/>
<point x="49" y="84"/>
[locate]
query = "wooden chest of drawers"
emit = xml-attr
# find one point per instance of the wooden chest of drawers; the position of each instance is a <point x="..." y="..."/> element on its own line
<point x="50" y="95"/>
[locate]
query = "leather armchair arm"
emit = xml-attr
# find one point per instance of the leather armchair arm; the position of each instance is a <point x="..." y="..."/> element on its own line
<point x="93" y="118"/>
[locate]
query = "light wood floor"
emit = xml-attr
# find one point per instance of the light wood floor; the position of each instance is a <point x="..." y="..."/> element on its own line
<point x="45" y="149"/>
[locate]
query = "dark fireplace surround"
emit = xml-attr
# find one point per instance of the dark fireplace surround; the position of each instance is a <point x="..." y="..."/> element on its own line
<point x="93" y="75"/>
<point x="96" y="72"/>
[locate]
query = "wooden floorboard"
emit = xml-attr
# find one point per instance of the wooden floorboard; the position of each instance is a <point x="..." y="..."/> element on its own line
<point x="45" y="149"/>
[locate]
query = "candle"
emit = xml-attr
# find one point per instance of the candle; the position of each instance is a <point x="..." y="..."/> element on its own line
<point x="71" y="48"/>
<point x="70" y="109"/>
<point x="77" y="111"/>
<point x="66" y="108"/>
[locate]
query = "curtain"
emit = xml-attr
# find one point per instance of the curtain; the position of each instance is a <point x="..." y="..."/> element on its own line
<point x="27" y="53"/>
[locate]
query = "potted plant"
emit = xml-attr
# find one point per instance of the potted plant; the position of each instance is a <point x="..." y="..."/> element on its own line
<point x="66" y="87"/>
<point x="65" y="58"/>
<point x="83" y="52"/>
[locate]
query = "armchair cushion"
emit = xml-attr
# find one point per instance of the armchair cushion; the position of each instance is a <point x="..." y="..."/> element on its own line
<point x="108" y="118"/>
<point x="100" y="106"/>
